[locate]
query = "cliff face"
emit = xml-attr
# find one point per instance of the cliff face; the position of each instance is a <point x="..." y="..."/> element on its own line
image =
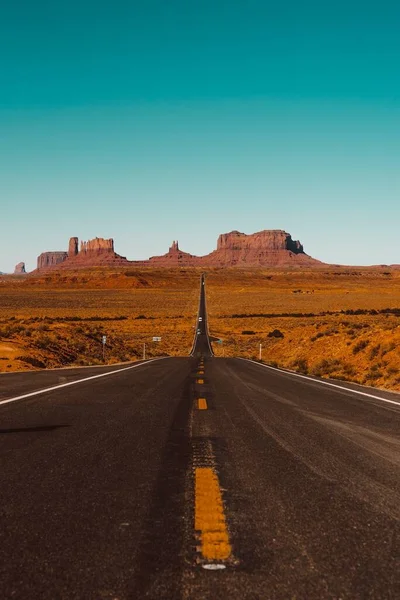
<point x="267" y="240"/>
<point x="51" y="259"/>
<point x="20" y="268"/>
<point x="97" y="246"/>
<point x="265" y="248"/>
<point x="95" y="252"/>
<point x="268" y="248"/>
<point x="73" y="247"/>
<point x="271" y="247"/>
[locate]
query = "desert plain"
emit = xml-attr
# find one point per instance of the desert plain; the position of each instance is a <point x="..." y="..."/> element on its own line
<point x="340" y="323"/>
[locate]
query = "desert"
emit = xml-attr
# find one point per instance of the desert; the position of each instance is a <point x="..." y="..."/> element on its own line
<point x="340" y="323"/>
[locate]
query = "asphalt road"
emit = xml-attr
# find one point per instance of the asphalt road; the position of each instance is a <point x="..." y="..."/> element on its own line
<point x="201" y="342"/>
<point x="132" y="485"/>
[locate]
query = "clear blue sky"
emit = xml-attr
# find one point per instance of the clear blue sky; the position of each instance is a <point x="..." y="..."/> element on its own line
<point x="154" y="120"/>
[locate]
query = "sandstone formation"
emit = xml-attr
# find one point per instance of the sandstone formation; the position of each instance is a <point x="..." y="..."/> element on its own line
<point x="51" y="259"/>
<point x="20" y="268"/>
<point x="98" y="246"/>
<point x="268" y="248"/>
<point x="73" y="247"/>
<point x="175" y="258"/>
<point x="96" y="252"/>
<point x="268" y="240"/>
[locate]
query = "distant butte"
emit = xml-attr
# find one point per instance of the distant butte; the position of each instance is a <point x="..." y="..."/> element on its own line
<point x="175" y="258"/>
<point x="268" y="248"/>
<point x="20" y="269"/>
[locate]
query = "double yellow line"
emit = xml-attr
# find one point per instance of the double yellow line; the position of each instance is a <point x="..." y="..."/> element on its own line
<point x="210" y="517"/>
<point x="210" y="521"/>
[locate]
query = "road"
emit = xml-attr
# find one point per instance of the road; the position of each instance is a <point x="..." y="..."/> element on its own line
<point x="197" y="478"/>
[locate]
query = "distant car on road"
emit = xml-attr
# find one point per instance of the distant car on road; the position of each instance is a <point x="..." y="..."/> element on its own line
<point x="198" y="331"/>
<point x="200" y="319"/>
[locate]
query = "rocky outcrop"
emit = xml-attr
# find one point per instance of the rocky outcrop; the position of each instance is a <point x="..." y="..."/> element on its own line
<point x="98" y="245"/>
<point x="19" y="268"/>
<point x="268" y="248"/>
<point x="175" y="258"/>
<point x="96" y="252"/>
<point x="73" y="247"/>
<point x="51" y="259"/>
<point x="92" y="253"/>
<point x="270" y="240"/>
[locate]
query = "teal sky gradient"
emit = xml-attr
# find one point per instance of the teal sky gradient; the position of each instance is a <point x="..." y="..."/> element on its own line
<point x="151" y="121"/>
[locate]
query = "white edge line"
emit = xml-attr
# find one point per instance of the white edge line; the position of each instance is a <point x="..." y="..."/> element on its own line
<point x="334" y="385"/>
<point x="62" y="385"/>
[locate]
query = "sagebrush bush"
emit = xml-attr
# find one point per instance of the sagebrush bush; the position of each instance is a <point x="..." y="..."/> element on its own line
<point x="31" y="360"/>
<point x="276" y="334"/>
<point x="301" y="365"/>
<point x="360" y="346"/>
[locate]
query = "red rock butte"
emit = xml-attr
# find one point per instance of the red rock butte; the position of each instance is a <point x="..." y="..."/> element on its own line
<point x="20" y="269"/>
<point x="268" y="248"/>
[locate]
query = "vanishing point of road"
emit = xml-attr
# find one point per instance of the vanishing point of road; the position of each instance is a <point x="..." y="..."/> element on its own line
<point x="197" y="478"/>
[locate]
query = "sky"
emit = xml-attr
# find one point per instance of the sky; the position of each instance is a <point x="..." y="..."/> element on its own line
<point x="152" y="120"/>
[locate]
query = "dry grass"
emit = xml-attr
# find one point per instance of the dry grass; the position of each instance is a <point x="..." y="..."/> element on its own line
<point x="326" y="323"/>
<point x="60" y="319"/>
<point x="329" y="323"/>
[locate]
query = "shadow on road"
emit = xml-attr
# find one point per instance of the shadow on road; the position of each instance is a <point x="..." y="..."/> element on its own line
<point x="32" y="429"/>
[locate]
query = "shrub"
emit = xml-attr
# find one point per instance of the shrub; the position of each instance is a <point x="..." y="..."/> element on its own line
<point x="317" y="336"/>
<point x="326" y="367"/>
<point x="374" y="374"/>
<point x="248" y="332"/>
<point x="374" y="351"/>
<point x="31" y="360"/>
<point x="388" y="348"/>
<point x="301" y="365"/>
<point x="43" y="342"/>
<point x="360" y="346"/>
<point x="276" y="334"/>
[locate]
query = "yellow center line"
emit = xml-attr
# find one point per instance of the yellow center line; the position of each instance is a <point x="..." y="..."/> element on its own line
<point x="202" y="404"/>
<point x="209" y="516"/>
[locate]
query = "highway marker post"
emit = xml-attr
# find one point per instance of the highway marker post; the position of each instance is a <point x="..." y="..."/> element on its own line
<point x="103" y="341"/>
<point x="260" y="353"/>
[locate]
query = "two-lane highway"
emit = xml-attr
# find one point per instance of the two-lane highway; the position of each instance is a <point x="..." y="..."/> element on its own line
<point x="197" y="478"/>
<point x="201" y="342"/>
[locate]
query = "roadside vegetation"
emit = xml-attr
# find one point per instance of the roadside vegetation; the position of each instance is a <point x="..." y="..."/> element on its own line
<point x="60" y="319"/>
<point x="335" y="324"/>
<point x="340" y="324"/>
